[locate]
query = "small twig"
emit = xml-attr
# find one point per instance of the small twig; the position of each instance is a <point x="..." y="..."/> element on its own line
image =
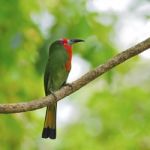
<point x="76" y="85"/>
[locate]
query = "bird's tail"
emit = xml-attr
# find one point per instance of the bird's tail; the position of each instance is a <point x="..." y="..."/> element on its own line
<point x="49" y="130"/>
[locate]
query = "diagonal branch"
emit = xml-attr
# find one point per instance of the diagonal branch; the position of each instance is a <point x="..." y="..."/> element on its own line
<point x="76" y="85"/>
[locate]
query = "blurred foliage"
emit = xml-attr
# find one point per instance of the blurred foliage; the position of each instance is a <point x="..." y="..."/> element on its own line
<point x="115" y="114"/>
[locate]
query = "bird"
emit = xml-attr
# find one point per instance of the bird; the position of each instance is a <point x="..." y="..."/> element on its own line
<point x="56" y="73"/>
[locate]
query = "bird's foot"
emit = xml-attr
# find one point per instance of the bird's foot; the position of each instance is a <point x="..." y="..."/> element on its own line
<point x="68" y="84"/>
<point x="55" y="97"/>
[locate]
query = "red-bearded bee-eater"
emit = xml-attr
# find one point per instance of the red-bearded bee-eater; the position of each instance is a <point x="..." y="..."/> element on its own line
<point x="56" y="73"/>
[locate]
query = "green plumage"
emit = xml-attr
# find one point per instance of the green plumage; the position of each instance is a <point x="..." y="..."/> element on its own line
<point x="55" y="72"/>
<point x="54" y="78"/>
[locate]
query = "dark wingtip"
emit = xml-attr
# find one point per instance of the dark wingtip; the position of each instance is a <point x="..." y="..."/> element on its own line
<point x="49" y="133"/>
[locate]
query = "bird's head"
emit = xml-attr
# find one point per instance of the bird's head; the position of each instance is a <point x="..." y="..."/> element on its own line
<point x="67" y="44"/>
<point x="70" y="42"/>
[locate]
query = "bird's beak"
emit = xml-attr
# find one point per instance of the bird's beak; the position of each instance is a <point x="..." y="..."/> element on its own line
<point x="73" y="41"/>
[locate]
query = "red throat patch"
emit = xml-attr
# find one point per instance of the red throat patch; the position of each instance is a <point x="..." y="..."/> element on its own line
<point x="69" y="52"/>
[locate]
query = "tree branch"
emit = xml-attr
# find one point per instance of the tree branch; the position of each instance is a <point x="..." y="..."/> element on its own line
<point x="76" y="85"/>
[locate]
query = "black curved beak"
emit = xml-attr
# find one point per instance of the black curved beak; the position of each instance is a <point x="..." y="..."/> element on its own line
<point x="73" y="41"/>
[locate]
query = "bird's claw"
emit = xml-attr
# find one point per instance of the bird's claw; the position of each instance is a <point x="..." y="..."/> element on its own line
<point x="54" y="95"/>
<point x="68" y="84"/>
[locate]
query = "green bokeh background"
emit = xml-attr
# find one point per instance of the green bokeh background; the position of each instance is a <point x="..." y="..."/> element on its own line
<point x="115" y="114"/>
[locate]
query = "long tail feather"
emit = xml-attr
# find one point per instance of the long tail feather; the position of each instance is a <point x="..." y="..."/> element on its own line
<point x="49" y="130"/>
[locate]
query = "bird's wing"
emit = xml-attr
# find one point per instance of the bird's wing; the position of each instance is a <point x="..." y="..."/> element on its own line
<point x="55" y="73"/>
<point x="47" y="78"/>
